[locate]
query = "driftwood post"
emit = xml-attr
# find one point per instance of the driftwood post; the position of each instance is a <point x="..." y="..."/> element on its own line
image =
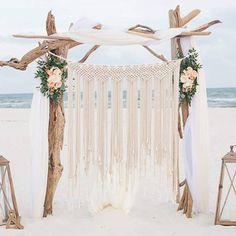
<point x="55" y="132"/>
<point x="175" y="21"/>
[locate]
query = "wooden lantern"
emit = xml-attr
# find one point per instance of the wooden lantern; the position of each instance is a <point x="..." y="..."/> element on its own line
<point x="9" y="214"/>
<point x="227" y="191"/>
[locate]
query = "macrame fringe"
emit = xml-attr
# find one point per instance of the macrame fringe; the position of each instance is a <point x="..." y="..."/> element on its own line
<point x="117" y="145"/>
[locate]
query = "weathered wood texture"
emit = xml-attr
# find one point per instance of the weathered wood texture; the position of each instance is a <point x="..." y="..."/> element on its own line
<point x="219" y="197"/>
<point x="86" y="56"/>
<point x="63" y="45"/>
<point x="205" y="26"/>
<point x="55" y="132"/>
<point x="38" y="52"/>
<point x="159" y="56"/>
<point x="56" y="126"/>
<point x="185" y="203"/>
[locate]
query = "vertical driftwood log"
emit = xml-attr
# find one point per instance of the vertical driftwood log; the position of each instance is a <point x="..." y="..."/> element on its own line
<point x="55" y="133"/>
<point x="186" y="202"/>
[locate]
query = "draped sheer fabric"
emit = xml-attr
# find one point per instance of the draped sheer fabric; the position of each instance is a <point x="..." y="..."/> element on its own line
<point x="122" y="127"/>
<point x="39" y="118"/>
<point x="196" y="141"/>
<point x="116" y="37"/>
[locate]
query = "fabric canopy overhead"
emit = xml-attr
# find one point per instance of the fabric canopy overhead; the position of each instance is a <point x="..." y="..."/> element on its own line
<point x="82" y="31"/>
<point x="116" y="37"/>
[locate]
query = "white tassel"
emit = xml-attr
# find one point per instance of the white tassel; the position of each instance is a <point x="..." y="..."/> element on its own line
<point x="102" y="122"/>
<point x="145" y="120"/>
<point x="118" y="154"/>
<point x="88" y="123"/>
<point x="77" y="136"/>
<point x="116" y="128"/>
<point x="157" y="121"/>
<point x="132" y="141"/>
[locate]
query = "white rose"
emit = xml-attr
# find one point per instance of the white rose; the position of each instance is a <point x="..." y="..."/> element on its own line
<point x="183" y="78"/>
<point x="57" y="72"/>
<point x="188" y="85"/>
<point x="54" y="78"/>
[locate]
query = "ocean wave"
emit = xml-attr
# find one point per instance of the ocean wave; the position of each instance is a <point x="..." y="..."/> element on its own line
<point x="217" y="97"/>
<point x="222" y="99"/>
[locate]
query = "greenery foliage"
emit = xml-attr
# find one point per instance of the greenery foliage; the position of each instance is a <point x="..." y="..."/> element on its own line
<point x="50" y="64"/>
<point x="191" y="60"/>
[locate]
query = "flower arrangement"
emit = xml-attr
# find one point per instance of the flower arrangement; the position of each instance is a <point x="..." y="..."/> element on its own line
<point x="189" y="68"/>
<point x="53" y="73"/>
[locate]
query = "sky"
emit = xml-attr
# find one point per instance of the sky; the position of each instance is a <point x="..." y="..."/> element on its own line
<point x="28" y="17"/>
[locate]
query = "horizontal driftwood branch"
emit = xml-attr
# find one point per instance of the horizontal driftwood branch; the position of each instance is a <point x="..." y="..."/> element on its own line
<point x="23" y="36"/>
<point x="193" y="33"/>
<point x="86" y="56"/>
<point x="142" y="29"/>
<point x="205" y="26"/>
<point x="161" y="57"/>
<point x="38" y="52"/>
<point x="55" y="43"/>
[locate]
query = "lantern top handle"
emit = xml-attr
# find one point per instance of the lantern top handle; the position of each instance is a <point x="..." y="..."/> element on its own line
<point x="230" y="157"/>
<point x="232" y="148"/>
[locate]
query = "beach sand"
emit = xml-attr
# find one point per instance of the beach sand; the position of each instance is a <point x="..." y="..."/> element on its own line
<point x="148" y="217"/>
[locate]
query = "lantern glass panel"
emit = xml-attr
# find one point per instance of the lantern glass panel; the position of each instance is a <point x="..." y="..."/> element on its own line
<point x="5" y="196"/>
<point x="228" y="202"/>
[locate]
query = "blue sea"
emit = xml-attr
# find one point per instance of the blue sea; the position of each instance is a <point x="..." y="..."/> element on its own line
<point x="217" y="97"/>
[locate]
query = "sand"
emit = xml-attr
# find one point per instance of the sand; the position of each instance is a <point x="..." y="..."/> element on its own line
<point x="148" y="217"/>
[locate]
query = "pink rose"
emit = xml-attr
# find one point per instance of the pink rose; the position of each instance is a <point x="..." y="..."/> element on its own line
<point x="188" y="72"/>
<point x="51" y="84"/>
<point x="193" y="75"/>
<point x="54" y="74"/>
<point x="49" y="72"/>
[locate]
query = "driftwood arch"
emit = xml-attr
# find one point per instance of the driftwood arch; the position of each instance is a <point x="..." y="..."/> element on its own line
<point x="60" y="47"/>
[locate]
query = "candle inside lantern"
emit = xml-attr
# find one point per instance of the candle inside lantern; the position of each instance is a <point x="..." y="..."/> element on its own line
<point x="1" y="213"/>
<point x="1" y="220"/>
<point x="232" y="215"/>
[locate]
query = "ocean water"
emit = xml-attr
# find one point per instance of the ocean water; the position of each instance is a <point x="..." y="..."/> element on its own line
<point x="221" y="97"/>
<point x="217" y="97"/>
<point x="19" y="100"/>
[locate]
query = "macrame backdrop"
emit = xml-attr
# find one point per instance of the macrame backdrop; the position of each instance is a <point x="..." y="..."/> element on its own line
<point x="122" y="127"/>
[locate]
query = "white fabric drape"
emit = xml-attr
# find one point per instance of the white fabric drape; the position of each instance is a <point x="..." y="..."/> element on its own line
<point x="116" y="110"/>
<point x="39" y="149"/>
<point x="195" y="141"/>
<point x="117" y="37"/>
